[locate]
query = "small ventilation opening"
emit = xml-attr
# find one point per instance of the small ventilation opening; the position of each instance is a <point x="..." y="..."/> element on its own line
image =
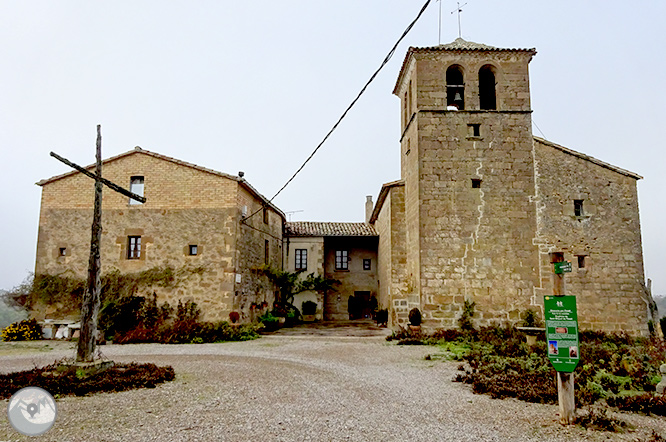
<point x="578" y="208"/>
<point x="581" y="261"/>
<point x="62" y="251"/>
<point x="476" y="183"/>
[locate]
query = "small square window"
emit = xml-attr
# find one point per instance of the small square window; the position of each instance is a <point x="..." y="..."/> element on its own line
<point x="194" y="249"/>
<point x="133" y="247"/>
<point x="474" y="130"/>
<point x="367" y="264"/>
<point x="476" y="183"/>
<point x="581" y="261"/>
<point x="62" y="251"/>
<point x="578" y="208"/>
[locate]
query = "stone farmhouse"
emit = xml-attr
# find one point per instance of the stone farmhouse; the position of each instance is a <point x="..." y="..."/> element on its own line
<point x="479" y="211"/>
<point x="195" y="220"/>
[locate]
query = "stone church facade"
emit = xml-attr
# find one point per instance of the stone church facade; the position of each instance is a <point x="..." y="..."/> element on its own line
<point x="478" y="212"/>
<point x="482" y="203"/>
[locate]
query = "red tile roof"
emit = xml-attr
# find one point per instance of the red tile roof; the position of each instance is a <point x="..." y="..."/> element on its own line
<point x="307" y="228"/>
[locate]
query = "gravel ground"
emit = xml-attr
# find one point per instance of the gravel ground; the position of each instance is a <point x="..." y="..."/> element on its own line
<point x="297" y="387"/>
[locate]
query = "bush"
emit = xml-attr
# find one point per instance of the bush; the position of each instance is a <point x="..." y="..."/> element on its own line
<point x="26" y="330"/>
<point x="646" y="403"/>
<point x="57" y="381"/>
<point x="270" y="322"/>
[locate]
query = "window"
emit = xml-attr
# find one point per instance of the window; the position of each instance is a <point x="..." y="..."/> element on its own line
<point x="367" y="263"/>
<point x="578" y="208"/>
<point x="62" y="251"/>
<point x="265" y="215"/>
<point x="194" y="249"/>
<point x="455" y="87"/>
<point x="301" y="259"/>
<point x="341" y="260"/>
<point x="267" y="250"/>
<point x="136" y="186"/>
<point x="474" y="130"/>
<point x="476" y="183"/>
<point x="487" y="96"/>
<point x="133" y="247"/>
<point x="581" y="261"/>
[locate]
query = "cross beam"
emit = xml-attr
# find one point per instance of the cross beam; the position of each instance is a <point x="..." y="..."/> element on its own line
<point x="91" y="298"/>
<point x="104" y="181"/>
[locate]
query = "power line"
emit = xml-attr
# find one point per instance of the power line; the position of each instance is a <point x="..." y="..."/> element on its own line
<point x="344" y="114"/>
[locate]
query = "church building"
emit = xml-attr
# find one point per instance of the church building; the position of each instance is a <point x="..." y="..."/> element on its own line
<point x="483" y="206"/>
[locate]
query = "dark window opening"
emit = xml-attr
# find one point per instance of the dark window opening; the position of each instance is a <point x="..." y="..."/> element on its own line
<point x="405" y="111"/>
<point x="487" y="93"/>
<point x="194" y="249"/>
<point x="476" y="183"/>
<point x="133" y="247"/>
<point x="62" y="251"/>
<point x="341" y="260"/>
<point x="367" y="263"/>
<point x="455" y="87"/>
<point x="301" y="259"/>
<point x="475" y="129"/>
<point x="136" y="186"/>
<point x="267" y="250"/>
<point x="265" y="215"/>
<point x="578" y="208"/>
<point x="581" y="261"/>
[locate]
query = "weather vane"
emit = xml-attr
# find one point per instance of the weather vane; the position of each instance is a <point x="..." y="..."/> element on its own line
<point x="458" y="10"/>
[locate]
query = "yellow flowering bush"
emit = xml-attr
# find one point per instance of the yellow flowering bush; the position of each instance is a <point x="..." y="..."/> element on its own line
<point x="26" y="330"/>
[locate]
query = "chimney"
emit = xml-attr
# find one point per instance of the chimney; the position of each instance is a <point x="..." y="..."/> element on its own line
<point x="369" y="205"/>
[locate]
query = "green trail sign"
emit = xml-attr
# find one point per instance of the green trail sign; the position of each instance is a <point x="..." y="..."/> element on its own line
<point x="562" y="267"/>
<point x="562" y="332"/>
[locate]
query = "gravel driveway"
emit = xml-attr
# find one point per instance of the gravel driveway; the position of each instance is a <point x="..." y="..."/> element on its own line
<point x="297" y="387"/>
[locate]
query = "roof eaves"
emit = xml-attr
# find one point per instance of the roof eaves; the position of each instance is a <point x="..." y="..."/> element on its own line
<point x="383" y="193"/>
<point x="589" y="158"/>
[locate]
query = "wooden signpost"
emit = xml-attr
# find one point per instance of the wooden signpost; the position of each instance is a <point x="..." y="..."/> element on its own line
<point x="562" y="336"/>
<point x="91" y="298"/>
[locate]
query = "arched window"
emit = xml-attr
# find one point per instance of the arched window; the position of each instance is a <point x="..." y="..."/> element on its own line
<point x="487" y="96"/>
<point x="455" y="87"/>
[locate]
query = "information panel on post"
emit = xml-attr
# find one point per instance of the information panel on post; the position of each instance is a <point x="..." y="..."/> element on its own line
<point x="562" y="332"/>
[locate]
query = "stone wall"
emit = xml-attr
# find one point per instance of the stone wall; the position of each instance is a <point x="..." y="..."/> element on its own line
<point x="354" y="279"/>
<point x="392" y="255"/>
<point x="185" y="206"/>
<point x="610" y="284"/>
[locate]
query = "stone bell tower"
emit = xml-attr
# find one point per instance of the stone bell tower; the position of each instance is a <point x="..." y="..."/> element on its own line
<point x="467" y="164"/>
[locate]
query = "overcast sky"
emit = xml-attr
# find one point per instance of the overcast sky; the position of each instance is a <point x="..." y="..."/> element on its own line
<point x="254" y="86"/>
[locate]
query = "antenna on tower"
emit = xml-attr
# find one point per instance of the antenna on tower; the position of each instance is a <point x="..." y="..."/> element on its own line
<point x="439" y="39"/>
<point x="458" y="10"/>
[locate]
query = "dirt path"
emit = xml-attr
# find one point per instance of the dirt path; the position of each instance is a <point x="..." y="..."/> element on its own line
<point x="297" y="387"/>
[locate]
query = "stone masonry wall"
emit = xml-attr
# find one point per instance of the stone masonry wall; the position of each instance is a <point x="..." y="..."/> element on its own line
<point x="609" y="287"/>
<point x="476" y="243"/>
<point x="354" y="279"/>
<point x="184" y="207"/>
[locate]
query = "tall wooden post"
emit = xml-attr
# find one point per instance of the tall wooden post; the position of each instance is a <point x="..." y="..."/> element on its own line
<point x="565" y="381"/>
<point x="91" y="299"/>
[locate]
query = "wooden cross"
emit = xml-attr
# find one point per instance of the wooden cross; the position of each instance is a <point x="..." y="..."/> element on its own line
<point x="91" y="298"/>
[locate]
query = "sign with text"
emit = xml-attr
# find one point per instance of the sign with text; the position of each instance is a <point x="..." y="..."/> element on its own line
<point x="562" y="267"/>
<point x="562" y="332"/>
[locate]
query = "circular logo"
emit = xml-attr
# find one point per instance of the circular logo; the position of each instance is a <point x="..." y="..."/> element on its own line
<point x="32" y="411"/>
